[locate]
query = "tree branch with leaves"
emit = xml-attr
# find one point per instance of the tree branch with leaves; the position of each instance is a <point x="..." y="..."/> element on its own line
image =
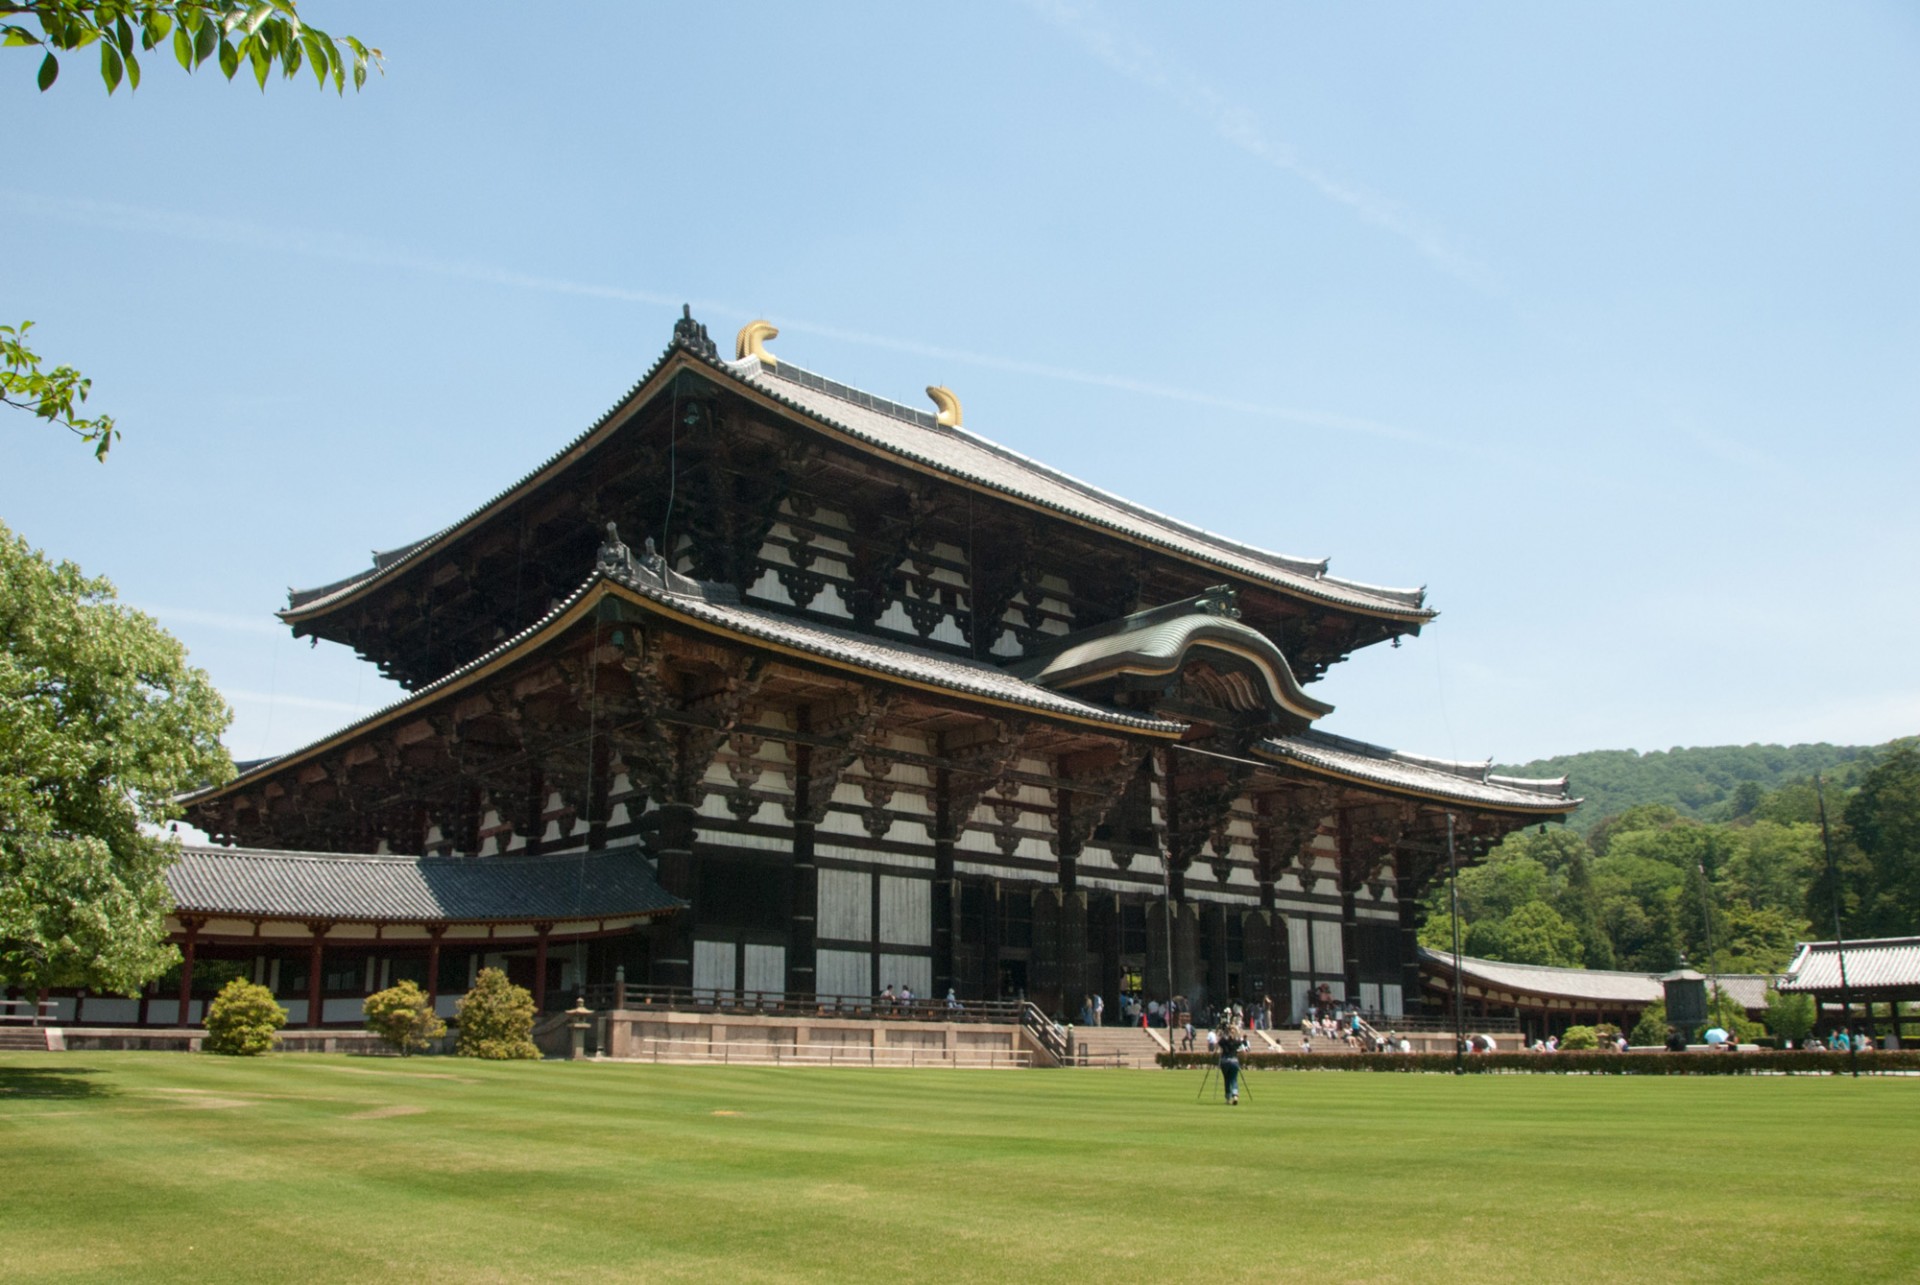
<point x="52" y="395"/>
<point x="262" y="37"/>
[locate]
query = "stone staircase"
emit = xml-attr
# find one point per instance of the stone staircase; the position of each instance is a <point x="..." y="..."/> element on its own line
<point x="1287" y="1040"/>
<point x="24" y="1039"/>
<point x="1116" y="1046"/>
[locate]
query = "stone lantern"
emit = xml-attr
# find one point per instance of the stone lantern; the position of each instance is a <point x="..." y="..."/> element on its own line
<point x="579" y="1019"/>
<point x="1686" y="997"/>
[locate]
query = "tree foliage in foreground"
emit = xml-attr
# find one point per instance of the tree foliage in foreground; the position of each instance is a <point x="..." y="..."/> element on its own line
<point x="102" y="725"/>
<point x="263" y="37"/>
<point x="53" y="395"/>
<point x="496" y="1019"/>
<point x="244" y="1020"/>
<point x="403" y="1019"/>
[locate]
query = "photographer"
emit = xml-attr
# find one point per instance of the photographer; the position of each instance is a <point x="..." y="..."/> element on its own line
<point x="1231" y="1042"/>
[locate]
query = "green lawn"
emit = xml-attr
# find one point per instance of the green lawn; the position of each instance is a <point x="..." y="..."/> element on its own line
<point x="154" y="1166"/>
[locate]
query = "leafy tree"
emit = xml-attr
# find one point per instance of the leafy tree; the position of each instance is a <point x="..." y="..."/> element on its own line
<point x="261" y="36"/>
<point x="102" y="725"/>
<point x="1707" y="782"/>
<point x="1651" y="1029"/>
<point x="1724" y="1011"/>
<point x="496" y="1019"/>
<point x="1537" y="934"/>
<point x="402" y="1018"/>
<point x="1773" y="865"/>
<point x="1883" y="823"/>
<point x="244" y="1020"/>
<point x="1580" y="1037"/>
<point x="1790" y="1017"/>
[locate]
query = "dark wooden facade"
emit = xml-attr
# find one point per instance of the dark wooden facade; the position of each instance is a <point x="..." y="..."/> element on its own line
<point x="826" y="714"/>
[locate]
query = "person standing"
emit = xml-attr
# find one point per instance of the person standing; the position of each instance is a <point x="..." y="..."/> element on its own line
<point x="1099" y="1009"/>
<point x="1231" y="1042"/>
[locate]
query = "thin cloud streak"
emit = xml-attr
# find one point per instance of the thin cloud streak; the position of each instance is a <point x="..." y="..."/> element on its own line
<point x="241" y="696"/>
<point x="232" y="233"/>
<point x="262" y="624"/>
<point x="1236" y="125"/>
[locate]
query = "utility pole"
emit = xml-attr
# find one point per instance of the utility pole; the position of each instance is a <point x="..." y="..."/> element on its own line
<point x="1713" y="973"/>
<point x="1459" y="1019"/>
<point x="1839" y="941"/>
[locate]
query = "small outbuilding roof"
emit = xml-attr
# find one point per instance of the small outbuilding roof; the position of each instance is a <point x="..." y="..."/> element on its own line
<point x="616" y="883"/>
<point x="1584" y="985"/>
<point x="1877" y="963"/>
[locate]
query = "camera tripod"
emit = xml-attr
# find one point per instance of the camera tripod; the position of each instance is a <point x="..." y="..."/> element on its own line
<point x="1208" y="1078"/>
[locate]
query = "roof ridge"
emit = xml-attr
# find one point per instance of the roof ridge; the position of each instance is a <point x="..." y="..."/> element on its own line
<point x="1316" y="568"/>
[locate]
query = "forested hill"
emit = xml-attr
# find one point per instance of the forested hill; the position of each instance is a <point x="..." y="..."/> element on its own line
<point x="1700" y="782"/>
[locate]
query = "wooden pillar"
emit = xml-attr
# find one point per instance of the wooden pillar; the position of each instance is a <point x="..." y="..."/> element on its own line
<point x="186" y="970"/>
<point x="433" y="963"/>
<point x="316" y="989"/>
<point x="540" y="970"/>
<point x="673" y="960"/>
<point x="1075" y="978"/>
<point x="943" y="909"/>
<point x="1187" y="977"/>
<point x="803" y="976"/>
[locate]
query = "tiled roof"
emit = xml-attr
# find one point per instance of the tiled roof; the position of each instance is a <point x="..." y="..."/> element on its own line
<point x="914" y="435"/>
<point x="880" y="656"/>
<point x="717" y="607"/>
<point x="249" y="882"/>
<point x="1470" y="783"/>
<point x="1585" y="985"/>
<point x="1877" y="963"/>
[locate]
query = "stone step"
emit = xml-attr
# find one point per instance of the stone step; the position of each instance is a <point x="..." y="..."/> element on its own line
<point x="24" y="1038"/>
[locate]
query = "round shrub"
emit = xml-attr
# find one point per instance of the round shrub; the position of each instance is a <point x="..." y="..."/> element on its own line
<point x="1579" y="1037"/>
<point x="402" y="1018"/>
<point x="496" y="1019"/>
<point x="243" y="1020"/>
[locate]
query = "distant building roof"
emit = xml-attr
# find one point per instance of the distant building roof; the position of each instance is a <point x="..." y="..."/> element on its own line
<point x="1877" y="963"/>
<point x="1585" y="985"/>
<point x="615" y="883"/>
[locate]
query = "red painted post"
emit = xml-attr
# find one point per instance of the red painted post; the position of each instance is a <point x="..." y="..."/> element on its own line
<point x="316" y="994"/>
<point x="186" y="970"/>
<point x="540" y="970"/>
<point x="433" y="967"/>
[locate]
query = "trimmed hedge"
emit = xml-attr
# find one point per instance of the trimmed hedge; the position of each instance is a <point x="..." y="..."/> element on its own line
<point x="1771" y="1061"/>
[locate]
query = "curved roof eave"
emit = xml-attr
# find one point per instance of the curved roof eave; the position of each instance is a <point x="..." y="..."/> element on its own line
<point x="1162" y="649"/>
<point x="817" y="644"/>
<point x="1436" y="780"/>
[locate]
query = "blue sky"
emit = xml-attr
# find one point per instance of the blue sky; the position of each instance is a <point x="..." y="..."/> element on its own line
<point x="1603" y="322"/>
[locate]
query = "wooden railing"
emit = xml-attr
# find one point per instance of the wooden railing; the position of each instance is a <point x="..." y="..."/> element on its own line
<point x="26" y="1010"/>
<point x="750" y="1053"/>
<point x="1041" y="1027"/>
<point x="689" y="999"/>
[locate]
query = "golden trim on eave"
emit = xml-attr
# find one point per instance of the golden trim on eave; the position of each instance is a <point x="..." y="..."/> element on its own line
<point x="948" y="404"/>
<point x="752" y="342"/>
